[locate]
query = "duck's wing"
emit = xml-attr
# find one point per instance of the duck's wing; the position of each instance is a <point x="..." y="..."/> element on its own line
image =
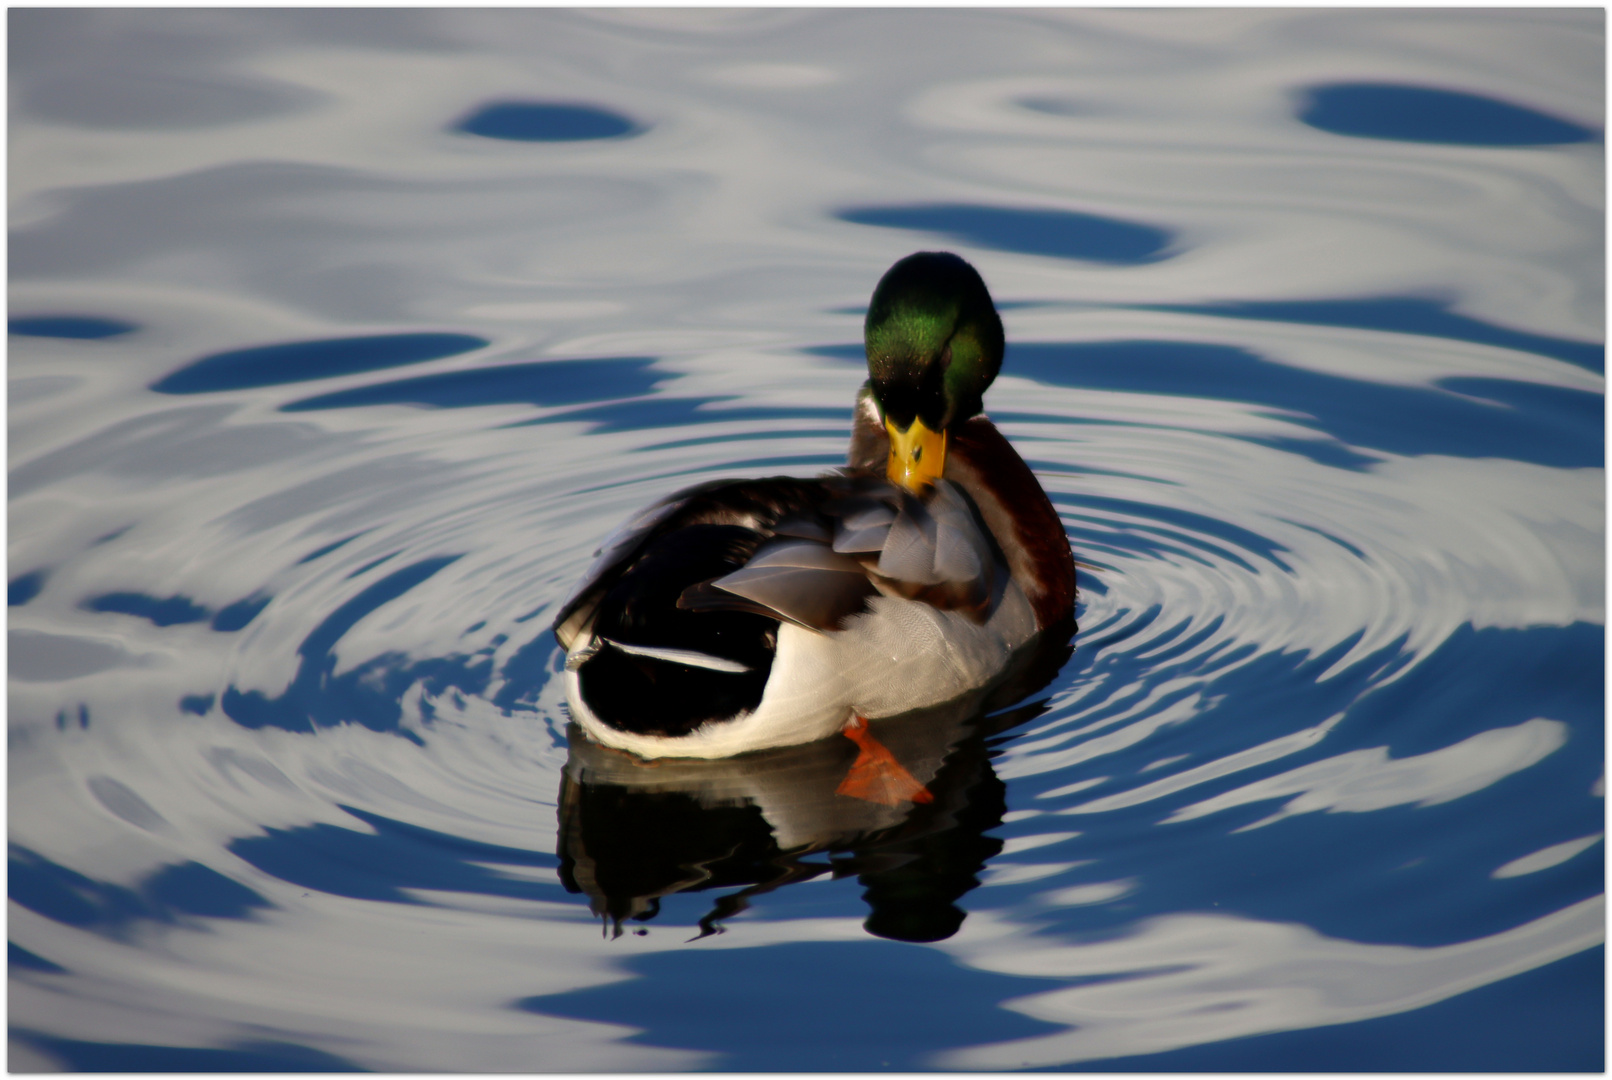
<point x="868" y="537"/>
<point x="754" y="504"/>
<point x="940" y="552"/>
<point x="802" y="581"/>
<point x="611" y="558"/>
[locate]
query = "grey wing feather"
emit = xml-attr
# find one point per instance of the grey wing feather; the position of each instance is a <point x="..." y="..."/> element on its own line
<point x="956" y="557"/>
<point x="871" y="539"/>
<point x="803" y="555"/>
<point x="802" y="526"/>
<point x="909" y="552"/>
<point x="814" y="598"/>
<point x="939" y="552"/>
<point x="707" y="597"/>
<point x="869" y="516"/>
<point x="961" y="553"/>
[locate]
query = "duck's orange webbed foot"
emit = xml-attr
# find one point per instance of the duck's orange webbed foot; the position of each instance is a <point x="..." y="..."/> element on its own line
<point x="876" y="775"/>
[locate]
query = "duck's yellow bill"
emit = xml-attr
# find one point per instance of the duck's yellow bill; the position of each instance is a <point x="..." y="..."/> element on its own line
<point x="917" y="455"/>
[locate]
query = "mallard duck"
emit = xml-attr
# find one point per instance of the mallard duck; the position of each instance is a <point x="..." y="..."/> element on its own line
<point x="739" y="615"/>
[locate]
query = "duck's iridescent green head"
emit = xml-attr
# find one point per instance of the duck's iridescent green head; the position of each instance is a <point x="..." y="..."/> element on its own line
<point x="934" y="343"/>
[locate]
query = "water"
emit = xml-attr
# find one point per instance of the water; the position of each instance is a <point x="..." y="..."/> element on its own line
<point x="340" y="339"/>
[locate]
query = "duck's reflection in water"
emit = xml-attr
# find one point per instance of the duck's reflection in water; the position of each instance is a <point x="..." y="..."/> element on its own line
<point x="633" y="831"/>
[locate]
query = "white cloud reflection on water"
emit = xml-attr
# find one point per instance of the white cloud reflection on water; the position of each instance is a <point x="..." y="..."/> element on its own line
<point x="1369" y="779"/>
<point x="1357" y="781"/>
<point x="1193" y="978"/>
<point x="1545" y="858"/>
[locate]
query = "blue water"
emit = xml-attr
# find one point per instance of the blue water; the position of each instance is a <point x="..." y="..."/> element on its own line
<point x="301" y="361"/>
<point x="340" y="340"/>
<point x="83" y="327"/>
<point x="533" y="121"/>
<point x="1408" y="315"/>
<point x="1063" y="234"/>
<point x="1433" y="115"/>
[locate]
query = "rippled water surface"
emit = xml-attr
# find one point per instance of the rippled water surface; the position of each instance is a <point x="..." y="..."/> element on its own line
<point x="340" y="339"/>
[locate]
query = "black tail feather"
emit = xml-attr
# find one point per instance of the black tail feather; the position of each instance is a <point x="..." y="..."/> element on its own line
<point x="654" y="696"/>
